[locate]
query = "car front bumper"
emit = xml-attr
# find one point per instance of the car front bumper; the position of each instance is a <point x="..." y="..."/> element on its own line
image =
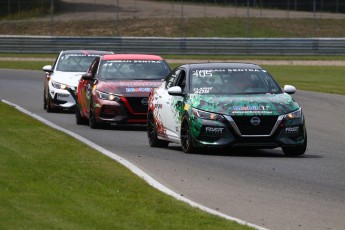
<point x="127" y="111"/>
<point x="60" y="98"/>
<point x="227" y="133"/>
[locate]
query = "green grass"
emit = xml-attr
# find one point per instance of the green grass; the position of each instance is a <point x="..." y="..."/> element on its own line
<point x="28" y="65"/>
<point x="50" y="181"/>
<point x="325" y="79"/>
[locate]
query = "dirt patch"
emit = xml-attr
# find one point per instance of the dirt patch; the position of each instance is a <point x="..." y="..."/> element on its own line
<point x="102" y="9"/>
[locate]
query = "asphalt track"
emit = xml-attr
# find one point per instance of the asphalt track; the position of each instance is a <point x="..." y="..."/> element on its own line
<point x="262" y="187"/>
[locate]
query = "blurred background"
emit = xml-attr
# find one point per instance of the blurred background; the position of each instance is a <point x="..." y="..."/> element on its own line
<point x="174" y="18"/>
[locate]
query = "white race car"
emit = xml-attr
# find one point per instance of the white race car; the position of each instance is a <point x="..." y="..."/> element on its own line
<point x="63" y="77"/>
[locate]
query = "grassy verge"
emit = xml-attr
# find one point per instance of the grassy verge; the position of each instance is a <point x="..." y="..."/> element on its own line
<point x="48" y="181"/>
<point x="28" y="65"/>
<point x="324" y="79"/>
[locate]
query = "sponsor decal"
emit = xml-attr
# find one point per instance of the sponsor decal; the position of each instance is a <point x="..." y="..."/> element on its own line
<point x="214" y="130"/>
<point x="202" y="90"/>
<point x="292" y="129"/>
<point x="251" y="107"/>
<point x="66" y="56"/>
<point x="131" y="61"/>
<point x="139" y="85"/>
<point x="158" y="106"/>
<point x="62" y="96"/>
<point x="244" y="70"/>
<point x="251" y="112"/>
<point x="134" y="90"/>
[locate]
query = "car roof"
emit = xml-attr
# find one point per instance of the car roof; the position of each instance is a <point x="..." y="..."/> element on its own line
<point x="131" y="57"/>
<point x="221" y="65"/>
<point x="86" y="52"/>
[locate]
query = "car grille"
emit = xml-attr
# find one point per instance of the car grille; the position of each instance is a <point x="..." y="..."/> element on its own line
<point x="247" y="128"/>
<point x="136" y="105"/>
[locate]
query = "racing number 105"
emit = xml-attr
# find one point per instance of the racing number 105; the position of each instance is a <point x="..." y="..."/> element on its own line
<point x="202" y="73"/>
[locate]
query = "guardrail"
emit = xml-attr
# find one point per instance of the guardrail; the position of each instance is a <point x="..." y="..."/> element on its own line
<point x="160" y="45"/>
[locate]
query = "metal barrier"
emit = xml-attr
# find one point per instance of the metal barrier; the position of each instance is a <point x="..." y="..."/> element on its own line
<point x="160" y="45"/>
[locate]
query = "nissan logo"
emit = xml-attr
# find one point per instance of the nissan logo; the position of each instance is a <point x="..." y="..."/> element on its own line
<point x="255" y="121"/>
<point x="144" y="101"/>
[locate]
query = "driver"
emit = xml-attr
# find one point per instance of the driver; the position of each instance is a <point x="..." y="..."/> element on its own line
<point x="239" y="82"/>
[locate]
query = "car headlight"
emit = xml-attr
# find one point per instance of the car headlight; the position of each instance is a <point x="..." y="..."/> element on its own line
<point x="107" y="96"/>
<point x="207" y="115"/>
<point x="58" y="85"/>
<point x="294" y="115"/>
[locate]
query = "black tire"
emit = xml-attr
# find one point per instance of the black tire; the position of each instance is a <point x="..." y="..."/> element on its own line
<point x="78" y="118"/>
<point x="152" y="133"/>
<point x="297" y="150"/>
<point x="49" y="107"/>
<point x="92" y="120"/>
<point x="186" y="138"/>
<point x="44" y="101"/>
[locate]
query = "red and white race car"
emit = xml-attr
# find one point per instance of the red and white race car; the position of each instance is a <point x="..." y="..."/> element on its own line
<point x="116" y="87"/>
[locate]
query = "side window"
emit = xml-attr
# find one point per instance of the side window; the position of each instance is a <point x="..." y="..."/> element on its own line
<point x="93" y="67"/>
<point x="181" y="80"/>
<point x="171" y="79"/>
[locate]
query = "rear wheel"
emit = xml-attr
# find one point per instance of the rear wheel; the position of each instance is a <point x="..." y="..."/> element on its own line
<point x="152" y="133"/>
<point x="186" y="138"/>
<point x="297" y="150"/>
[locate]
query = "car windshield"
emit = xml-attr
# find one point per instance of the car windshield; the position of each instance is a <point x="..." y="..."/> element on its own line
<point x="74" y="62"/>
<point x="133" y="69"/>
<point x="232" y="81"/>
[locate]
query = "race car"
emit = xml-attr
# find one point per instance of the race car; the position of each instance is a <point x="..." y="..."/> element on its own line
<point x="115" y="89"/>
<point x="225" y="105"/>
<point x="65" y="74"/>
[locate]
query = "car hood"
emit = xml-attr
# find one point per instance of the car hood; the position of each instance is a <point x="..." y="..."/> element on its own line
<point x="68" y="78"/>
<point x="132" y="88"/>
<point x="245" y="105"/>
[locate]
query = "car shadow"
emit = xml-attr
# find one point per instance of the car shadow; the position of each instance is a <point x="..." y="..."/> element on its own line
<point x="242" y="152"/>
<point x="126" y="127"/>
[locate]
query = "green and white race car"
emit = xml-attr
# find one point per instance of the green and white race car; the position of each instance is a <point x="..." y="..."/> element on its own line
<point x="225" y="105"/>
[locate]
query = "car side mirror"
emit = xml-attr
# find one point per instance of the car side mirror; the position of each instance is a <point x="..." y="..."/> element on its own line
<point x="289" y="89"/>
<point x="47" y="68"/>
<point x="87" y="76"/>
<point x="175" y="91"/>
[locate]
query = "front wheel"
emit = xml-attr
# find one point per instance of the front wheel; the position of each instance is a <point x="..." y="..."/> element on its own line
<point x="78" y="118"/>
<point x="92" y="120"/>
<point x="297" y="150"/>
<point x="49" y="105"/>
<point x="152" y="133"/>
<point x="186" y="138"/>
<point x="44" y="101"/>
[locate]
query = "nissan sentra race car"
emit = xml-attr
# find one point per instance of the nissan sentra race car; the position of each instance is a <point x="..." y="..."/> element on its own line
<point x="65" y="74"/>
<point x="211" y="105"/>
<point x="116" y="87"/>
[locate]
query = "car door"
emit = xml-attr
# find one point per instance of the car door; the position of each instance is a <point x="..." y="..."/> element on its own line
<point x="85" y="88"/>
<point x="172" y="106"/>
